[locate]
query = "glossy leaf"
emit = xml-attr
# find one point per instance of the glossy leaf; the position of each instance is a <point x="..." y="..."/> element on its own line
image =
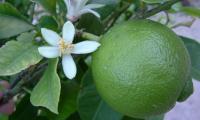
<point x="49" y="5"/>
<point x="47" y="92"/>
<point x="194" y="51"/>
<point x="18" y="55"/>
<point x="91" y="106"/>
<point x="12" y="22"/>
<point x="68" y="101"/>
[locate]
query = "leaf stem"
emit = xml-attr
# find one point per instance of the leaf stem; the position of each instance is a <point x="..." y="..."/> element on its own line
<point x="87" y="35"/>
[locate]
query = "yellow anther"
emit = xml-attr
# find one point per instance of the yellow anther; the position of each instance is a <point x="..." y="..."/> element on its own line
<point x="65" y="48"/>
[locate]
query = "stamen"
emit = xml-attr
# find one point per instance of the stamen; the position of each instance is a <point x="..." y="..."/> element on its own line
<point x="65" y="48"/>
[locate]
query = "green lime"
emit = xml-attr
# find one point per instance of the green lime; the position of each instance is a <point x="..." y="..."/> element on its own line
<point x="141" y="68"/>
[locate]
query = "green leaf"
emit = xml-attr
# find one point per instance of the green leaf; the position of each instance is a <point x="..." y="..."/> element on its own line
<point x="94" y="26"/>
<point x="68" y="101"/>
<point x="187" y="90"/>
<point x="130" y="118"/>
<point x="154" y="1"/>
<point x="91" y="106"/>
<point x="12" y="22"/>
<point x="194" y="51"/>
<point x="158" y="117"/>
<point x="49" y="5"/>
<point x="3" y="117"/>
<point x="110" y="6"/>
<point x="47" y="92"/>
<point x="9" y="10"/>
<point x="18" y="55"/>
<point x="24" y="110"/>
<point x="48" y="22"/>
<point x="191" y="11"/>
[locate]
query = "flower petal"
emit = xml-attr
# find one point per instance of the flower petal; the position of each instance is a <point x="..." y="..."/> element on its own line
<point x="49" y="52"/>
<point x="85" y="47"/>
<point x="82" y="3"/>
<point x="68" y="32"/>
<point x="84" y="11"/>
<point x="50" y="36"/>
<point x="69" y="66"/>
<point x="67" y="2"/>
<point x="93" y="6"/>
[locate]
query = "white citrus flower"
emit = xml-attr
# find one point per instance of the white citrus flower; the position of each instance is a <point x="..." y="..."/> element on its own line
<point x="76" y="8"/>
<point x="63" y="47"/>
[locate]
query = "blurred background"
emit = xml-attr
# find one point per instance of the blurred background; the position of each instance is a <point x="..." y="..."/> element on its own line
<point x="190" y="109"/>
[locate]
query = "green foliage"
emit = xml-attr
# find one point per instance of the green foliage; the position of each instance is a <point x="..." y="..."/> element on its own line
<point x="53" y="97"/>
<point x="18" y="55"/>
<point x="110" y="5"/>
<point x="3" y="117"/>
<point x="47" y="92"/>
<point x="67" y="103"/>
<point x="191" y="11"/>
<point x="193" y="49"/>
<point x="155" y="1"/>
<point x="48" y="22"/>
<point x="12" y="22"/>
<point x="187" y="90"/>
<point x="25" y="110"/>
<point x="94" y="26"/>
<point x="49" y="5"/>
<point x="90" y="105"/>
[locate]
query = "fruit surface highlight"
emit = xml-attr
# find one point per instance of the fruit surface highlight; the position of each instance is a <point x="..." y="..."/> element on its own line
<point x="141" y="68"/>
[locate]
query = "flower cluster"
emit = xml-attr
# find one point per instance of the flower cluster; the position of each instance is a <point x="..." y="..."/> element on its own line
<point x="76" y="8"/>
<point x="63" y="47"/>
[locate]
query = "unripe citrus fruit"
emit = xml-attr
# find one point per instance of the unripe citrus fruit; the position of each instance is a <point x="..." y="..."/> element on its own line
<point x="141" y="68"/>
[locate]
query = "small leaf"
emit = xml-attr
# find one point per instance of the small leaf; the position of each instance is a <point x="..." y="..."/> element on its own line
<point x="187" y="90"/>
<point x="47" y="92"/>
<point x="18" y="55"/>
<point x="12" y="22"/>
<point x="194" y="51"/>
<point x="49" y="5"/>
<point x="91" y="106"/>
<point x="154" y="1"/>
<point x="191" y="11"/>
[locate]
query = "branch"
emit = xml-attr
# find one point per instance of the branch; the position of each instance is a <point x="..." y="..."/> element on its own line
<point x="164" y="6"/>
<point x="23" y="79"/>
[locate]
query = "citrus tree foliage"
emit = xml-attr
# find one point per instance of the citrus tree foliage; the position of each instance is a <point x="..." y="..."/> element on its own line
<point x="35" y="34"/>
